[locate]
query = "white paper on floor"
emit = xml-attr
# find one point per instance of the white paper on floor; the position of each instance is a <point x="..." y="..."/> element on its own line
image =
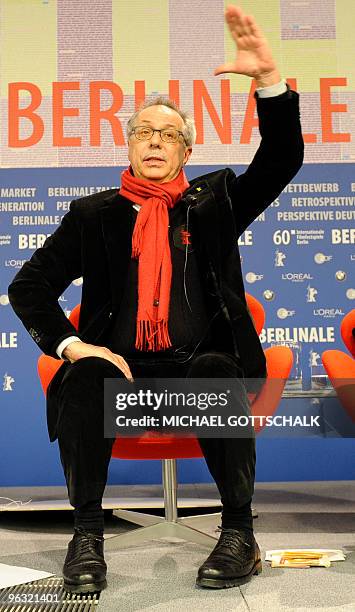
<point x="333" y="554"/>
<point x="12" y="575"/>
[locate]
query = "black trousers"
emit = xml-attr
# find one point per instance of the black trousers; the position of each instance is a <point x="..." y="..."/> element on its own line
<point x="85" y="453"/>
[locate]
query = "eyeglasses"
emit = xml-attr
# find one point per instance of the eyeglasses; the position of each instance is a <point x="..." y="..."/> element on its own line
<point x="170" y="135"/>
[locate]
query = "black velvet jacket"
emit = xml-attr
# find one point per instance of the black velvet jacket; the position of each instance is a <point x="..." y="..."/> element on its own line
<point x="94" y="241"/>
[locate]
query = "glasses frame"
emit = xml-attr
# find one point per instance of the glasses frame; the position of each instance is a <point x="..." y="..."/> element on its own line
<point x="133" y="131"/>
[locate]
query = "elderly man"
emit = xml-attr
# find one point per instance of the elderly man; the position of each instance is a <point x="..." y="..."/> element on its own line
<point x="162" y="296"/>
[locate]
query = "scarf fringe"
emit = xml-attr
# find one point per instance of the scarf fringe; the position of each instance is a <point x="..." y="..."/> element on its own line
<point x="137" y="241"/>
<point x="152" y="335"/>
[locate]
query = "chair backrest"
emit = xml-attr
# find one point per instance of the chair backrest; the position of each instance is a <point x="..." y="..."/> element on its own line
<point x="74" y="316"/>
<point x="48" y="366"/>
<point x="257" y="312"/>
<point x="347" y="328"/>
<point x="256" y="309"/>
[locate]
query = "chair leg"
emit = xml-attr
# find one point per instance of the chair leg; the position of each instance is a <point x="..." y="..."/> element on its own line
<point x="166" y="529"/>
<point x="140" y="518"/>
<point x="143" y="519"/>
<point x="170" y="489"/>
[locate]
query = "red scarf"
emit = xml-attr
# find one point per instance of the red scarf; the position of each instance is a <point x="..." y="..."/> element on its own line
<point x="150" y="244"/>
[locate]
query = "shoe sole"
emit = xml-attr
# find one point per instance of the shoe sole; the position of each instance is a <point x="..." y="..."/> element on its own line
<point x="90" y="587"/>
<point x="215" y="583"/>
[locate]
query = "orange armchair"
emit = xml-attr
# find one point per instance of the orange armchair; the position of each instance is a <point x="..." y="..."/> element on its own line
<point x="168" y="447"/>
<point x="47" y="366"/>
<point x="340" y="366"/>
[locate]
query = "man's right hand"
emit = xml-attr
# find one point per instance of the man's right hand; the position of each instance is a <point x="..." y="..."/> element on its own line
<point x="77" y="350"/>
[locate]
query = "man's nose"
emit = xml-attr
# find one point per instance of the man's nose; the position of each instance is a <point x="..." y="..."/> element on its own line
<point x="155" y="139"/>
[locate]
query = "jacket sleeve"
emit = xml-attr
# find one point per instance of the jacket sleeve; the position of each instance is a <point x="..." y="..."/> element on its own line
<point x="35" y="290"/>
<point x="277" y="160"/>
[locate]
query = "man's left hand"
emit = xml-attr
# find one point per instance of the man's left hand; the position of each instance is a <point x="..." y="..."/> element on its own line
<point x="254" y="57"/>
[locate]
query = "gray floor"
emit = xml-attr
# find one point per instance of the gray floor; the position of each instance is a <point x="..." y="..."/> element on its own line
<point x="160" y="575"/>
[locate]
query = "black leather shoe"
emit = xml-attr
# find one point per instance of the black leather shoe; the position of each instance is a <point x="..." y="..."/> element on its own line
<point x="233" y="561"/>
<point x="84" y="568"/>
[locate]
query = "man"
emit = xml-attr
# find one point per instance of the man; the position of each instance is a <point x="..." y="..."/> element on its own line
<point x="162" y="296"/>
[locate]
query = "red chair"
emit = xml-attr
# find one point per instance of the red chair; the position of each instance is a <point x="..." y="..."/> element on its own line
<point x="168" y="447"/>
<point x="340" y="366"/>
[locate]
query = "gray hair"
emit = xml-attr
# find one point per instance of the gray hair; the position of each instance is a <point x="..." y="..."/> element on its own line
<point x="189" y="129"/>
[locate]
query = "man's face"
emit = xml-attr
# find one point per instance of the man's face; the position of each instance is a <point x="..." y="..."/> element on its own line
<point x="154" y="159"/>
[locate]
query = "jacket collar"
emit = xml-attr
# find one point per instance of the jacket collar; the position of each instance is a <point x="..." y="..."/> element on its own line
<point x="117" y="215"/>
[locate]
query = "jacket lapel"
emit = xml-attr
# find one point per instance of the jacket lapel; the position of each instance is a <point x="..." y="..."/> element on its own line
<point x="117" y="216"/>
<point x="205" y="221"/>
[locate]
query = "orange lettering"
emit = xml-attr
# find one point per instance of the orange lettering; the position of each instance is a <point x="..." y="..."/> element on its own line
<point x="139" y="93"/>
<point x="327" y="108"/>
<point x="174" y="91"/>
<point x="15" y="113"/>
<point x="97" y="114"/>
<point x="59" y="112"/>
<point x="223" y="128"/>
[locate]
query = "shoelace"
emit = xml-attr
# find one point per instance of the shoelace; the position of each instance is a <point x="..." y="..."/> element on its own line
<point x="231" y="538"/>
<point x="85" y="545"/>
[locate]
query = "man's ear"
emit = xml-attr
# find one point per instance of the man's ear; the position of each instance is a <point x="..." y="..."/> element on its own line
<point x="187" y="154"/>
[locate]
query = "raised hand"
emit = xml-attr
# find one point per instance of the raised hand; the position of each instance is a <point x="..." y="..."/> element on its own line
<point x="254" y="57"/>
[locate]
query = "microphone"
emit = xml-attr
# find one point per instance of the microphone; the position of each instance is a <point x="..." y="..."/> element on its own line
<point x="190" y="199"/>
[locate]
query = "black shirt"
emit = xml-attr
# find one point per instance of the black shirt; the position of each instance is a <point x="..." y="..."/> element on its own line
<point x="188" y="321"/>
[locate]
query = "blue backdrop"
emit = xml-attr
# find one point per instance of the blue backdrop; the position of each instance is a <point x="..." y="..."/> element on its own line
<point x="298" y="259"/>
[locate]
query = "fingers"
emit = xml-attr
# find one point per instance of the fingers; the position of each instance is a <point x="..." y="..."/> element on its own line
<point x="235" y="17"/>
<point x="241" y="24"/>
<point x="123" y="366"/>
<point x="91" y="350"/>
<point x="254" y="57"/>
<point x="118" y="361"/>
<point x="253" y="28"/>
